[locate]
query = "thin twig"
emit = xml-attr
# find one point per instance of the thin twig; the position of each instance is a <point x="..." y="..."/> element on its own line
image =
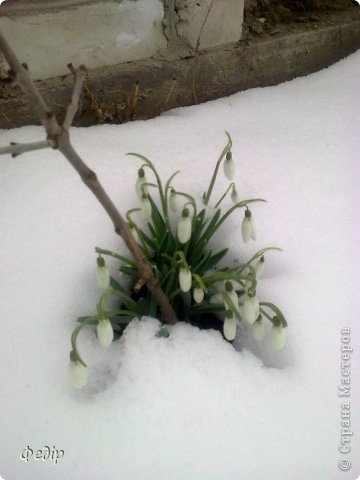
<point x="16" y="149"/>
<point x="168" y="95"/>
<point x="197" y="51"/>
<point x="73" y="107"/>
<point x="61" y="141"/>
<point x="203" y="25"/>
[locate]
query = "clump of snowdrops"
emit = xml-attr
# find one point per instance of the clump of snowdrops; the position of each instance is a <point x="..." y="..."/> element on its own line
<point x="175" y="232"/>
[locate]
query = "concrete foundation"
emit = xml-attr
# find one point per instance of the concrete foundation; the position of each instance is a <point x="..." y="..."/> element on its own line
<point x="145" y="89"/>
<point x="170" y="58"/>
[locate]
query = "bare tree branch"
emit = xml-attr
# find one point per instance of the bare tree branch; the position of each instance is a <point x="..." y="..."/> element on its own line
<point x="59" y="136"/>
<point x="73" y="107"/>
<point x="16" y="149"/>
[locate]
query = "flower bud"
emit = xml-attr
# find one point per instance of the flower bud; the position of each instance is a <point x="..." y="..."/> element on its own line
<point x="105" y="332"/>
<point x="173" y="201"/>
<point x="230" y="325"/>
<point x="185" y="279"/>
<point x="258" y="330"/>
<point x="260" y="267"/>
<point x="198" y="294"/>
<point x="184" y="227"/>
<point x="229" y="166"/>
<point x="145" y="207"/>
<point x="277" y="337"/>
<point x="102" y="273"/>
<point x="141" y="187"/>
<point x="78" y="374"/>
<point x="251" y="309"/>
<point x="235" y="196"/>
<point x="248" y="229"/>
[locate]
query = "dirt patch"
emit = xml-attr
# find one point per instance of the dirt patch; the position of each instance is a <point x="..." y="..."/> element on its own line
<point x="272" y="17"/>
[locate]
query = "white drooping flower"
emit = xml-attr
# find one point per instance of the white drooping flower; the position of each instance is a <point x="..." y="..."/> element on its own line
<point x="184" y="226"/>
<point x="248" y="284"/>
<point x="105" y="332"/>
<point x="234" y="299"/>
<point x="141" y="187"/>
<point x="145" y="207"/>
<point x="198" y="294"/>
<point x="251" y="309"/>
<point x="260" y="266"/>
<point x="185" y="279"/>
<point x="102" y="273"/>
<point x="248" y="229"/>
<point x="235" y="196"/>
<point x="173" y="201"/>
<point x="230" y="324"/>
<point x="229" y="166"/>
<point x="258" y="330"/>
<point x="78" y="374"/>
<point x="278" y="337"/>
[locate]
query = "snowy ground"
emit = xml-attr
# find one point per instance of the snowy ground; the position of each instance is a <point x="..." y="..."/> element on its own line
<point x="189" y="407"/>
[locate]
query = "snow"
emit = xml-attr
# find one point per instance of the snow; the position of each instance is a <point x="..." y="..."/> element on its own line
<point x="189" y="407"/>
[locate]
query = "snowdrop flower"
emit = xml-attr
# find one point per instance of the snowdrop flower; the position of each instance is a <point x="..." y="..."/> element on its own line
<point x="230" y="325"/>
<point x="248" y="229"/>
<point x="278" y="337"/>
<point x="249" y="284"/>
<point x="141" y="187"/>
<point x="184" y="226"/>
<point x="260" y="266"/>
<point x="233" y="297"/>
<point x="258" y="330"/>
<point x="185" y="279"/>
<point x="105" y="332"/>
<point x="229" y="166"/>
<point x="235" y="196"/>
<point x="78" y="373"/>
<point x="102" y="273"/>
<point x="198" y="294"/>
<point x="251" y="309"/>
<point x="145" y="207"/>
<point x="173" y="201"/>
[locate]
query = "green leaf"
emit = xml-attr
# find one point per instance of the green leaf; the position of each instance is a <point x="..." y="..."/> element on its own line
<point x="119" y="291"/>
<point x="210" y="262"/>
<point x="157" y="219"/>
<point x="211" y="229"/>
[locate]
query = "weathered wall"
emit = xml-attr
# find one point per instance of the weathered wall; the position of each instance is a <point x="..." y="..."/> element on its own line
<point x="145" y="88"/>
<point x="103" y="33"/>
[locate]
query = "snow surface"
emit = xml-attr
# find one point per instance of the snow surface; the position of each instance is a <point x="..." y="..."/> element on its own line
<point x="189" y="407"/>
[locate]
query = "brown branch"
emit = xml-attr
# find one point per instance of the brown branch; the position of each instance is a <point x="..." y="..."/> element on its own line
<point x="16" y="149"/>
<point x="59" y="136"/>
<point x="73" y="107"/>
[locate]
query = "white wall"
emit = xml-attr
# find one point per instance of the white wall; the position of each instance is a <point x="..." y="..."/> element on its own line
<point x="110" y="32"/>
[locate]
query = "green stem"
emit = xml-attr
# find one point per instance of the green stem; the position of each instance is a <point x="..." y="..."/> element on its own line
<point x="158" y="180"/>
<point x="237" y="205"/>
<point x="232" y="184"/>
<point x="262" y="251"/>
<point x="207" y="196"/>
<point x="115" y="255"/>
